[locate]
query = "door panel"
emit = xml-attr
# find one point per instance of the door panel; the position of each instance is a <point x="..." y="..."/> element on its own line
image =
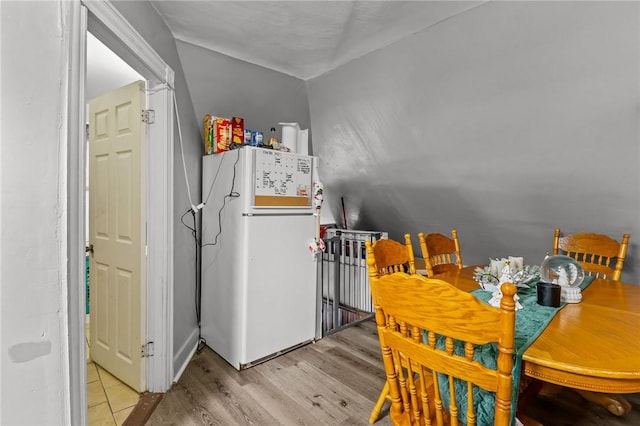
<point x="115" y="207"/>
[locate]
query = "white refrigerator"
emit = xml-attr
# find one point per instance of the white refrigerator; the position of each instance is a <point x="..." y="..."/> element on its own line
<point x="258" y="292"/>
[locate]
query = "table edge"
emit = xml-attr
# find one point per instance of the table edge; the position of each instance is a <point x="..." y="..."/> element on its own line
<point x="581" y="381"/>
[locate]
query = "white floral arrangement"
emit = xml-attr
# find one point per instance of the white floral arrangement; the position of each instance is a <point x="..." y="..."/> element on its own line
<point x="521" y="275"/>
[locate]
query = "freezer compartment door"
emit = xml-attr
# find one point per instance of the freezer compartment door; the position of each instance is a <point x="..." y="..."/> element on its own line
<point x="281" y="284"/>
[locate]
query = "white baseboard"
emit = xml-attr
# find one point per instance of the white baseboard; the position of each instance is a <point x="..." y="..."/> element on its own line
<point x="186" y="352"/>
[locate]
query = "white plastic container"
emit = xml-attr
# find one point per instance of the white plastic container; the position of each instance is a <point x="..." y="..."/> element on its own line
<point x="294" y="138"/>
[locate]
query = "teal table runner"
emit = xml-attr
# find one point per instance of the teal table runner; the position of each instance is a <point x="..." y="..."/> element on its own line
<point x="531" y="321"/>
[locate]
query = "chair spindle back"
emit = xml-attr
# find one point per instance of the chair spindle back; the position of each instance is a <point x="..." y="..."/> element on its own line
<point x="595" y="252"/>
<point x="440" y="253"/>
<point x="428" y="332"/>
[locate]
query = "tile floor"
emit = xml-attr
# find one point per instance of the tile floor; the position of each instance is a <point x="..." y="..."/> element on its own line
<point x="109" y="401"/>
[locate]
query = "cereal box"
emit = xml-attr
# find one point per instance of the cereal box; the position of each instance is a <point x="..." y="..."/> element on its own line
<point x="223" y="134"/>
<point x="209" y="134"/>
<point x="237" y="130"/>
<point x="217" y="134"/>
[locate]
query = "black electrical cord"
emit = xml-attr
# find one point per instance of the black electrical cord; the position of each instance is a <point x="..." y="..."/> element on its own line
<point x="198" y="246"/>
<point x="198" y="296"/>
<point x="231" y="194"/>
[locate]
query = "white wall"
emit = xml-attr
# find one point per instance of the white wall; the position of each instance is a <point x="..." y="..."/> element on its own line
<point x="503" y="122"/>
<point x="33" y="308"/>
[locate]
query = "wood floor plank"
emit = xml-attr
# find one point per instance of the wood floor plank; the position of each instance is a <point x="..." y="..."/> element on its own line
<point x="283" y="409"/>
<point x="310" y="389"/>
<point x="334" y="381"/>
<point x="206" y="406"/>
<point x="227" y="386"/>
<point x="340" y="364"/>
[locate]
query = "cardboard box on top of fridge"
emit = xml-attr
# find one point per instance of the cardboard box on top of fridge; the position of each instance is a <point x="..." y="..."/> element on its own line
<point x="237" y="130"/>
<point x="209" y="134"/>
<point x="217" y="134"/>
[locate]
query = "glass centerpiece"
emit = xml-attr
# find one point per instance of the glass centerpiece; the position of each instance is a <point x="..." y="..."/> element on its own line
<point x="566" y="272"/>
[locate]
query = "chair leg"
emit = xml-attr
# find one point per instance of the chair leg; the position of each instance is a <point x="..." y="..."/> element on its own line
<point x="615" y="404"/>
<point x="384" y="394"/>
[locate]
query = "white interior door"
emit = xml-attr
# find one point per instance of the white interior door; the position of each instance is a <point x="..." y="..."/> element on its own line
<point x="115" y="232"/>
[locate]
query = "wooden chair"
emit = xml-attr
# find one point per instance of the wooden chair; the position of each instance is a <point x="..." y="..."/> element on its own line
<point x="392" y="256"/>
<point x="440" y="253"/>
<point x="595" y="252"/>
<point x="387" y="257"/>
<point x="409" y="307"/>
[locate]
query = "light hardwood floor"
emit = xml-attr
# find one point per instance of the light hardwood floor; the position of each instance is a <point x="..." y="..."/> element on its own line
<point x="334" y="381"/>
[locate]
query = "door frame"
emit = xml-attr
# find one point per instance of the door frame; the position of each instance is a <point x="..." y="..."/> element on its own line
<point x="108" y="25"/>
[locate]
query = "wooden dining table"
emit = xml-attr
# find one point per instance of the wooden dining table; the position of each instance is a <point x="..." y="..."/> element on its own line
<point x="592" y="345"/>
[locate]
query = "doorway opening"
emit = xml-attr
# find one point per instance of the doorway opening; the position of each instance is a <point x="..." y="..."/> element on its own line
<point x="105" y="22"/>
<point x="115" y="136"/>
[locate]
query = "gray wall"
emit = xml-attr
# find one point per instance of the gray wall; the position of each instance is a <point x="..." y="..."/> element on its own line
<point x="144" y="18"/>
<point x="503" y="122"/>
<point x="33" y="214"/>
<point x="228" y="87"/>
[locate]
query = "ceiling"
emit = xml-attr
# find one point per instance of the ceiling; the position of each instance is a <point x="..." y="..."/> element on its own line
<point x="303" y="39"/>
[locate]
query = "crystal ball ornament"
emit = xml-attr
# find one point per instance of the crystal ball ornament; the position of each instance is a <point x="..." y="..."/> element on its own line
<point x="565" y="271"/>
